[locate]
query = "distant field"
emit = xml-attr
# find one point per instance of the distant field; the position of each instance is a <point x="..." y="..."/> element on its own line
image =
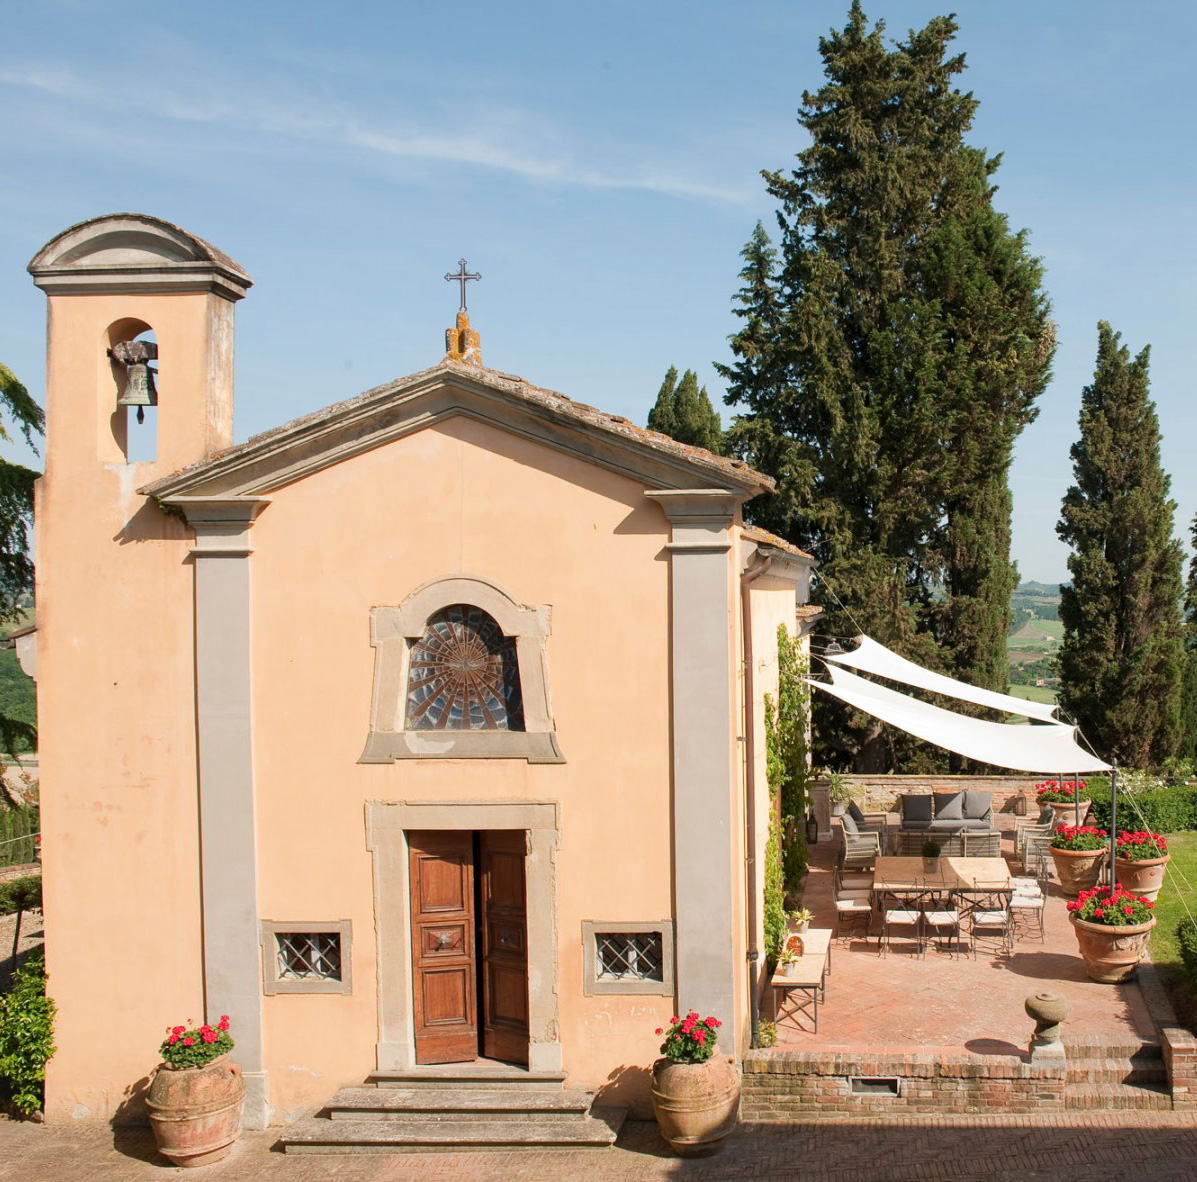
<point x="1037" y="634"/>
<point x="1033" y="693"/>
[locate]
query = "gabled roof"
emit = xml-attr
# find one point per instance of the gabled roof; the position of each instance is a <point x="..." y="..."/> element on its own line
<point x="325" y="437"/>
<point x="754" y="533"/>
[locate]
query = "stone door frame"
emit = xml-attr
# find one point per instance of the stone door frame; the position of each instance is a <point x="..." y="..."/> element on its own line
<point x="387" y="825"/>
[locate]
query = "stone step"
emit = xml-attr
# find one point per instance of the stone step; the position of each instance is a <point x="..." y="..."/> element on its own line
<point x="316" y="1135"/>
<point x="1096" y="1097"/>
<point x="1136" y="1071"/>
<point x="456" y="1103"/>
<point x="1091" y="1049"/>
<point x="469" y="1075"/>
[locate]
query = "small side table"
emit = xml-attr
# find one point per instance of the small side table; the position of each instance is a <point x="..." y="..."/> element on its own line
<point x="809" y="977"/>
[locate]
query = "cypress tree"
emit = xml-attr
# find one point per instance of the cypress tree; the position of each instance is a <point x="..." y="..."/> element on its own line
<point x="1121" y="658"/>
<point x="1188" y="691"/>
<point x="663" y="416"/>
<point x="890" y="353"/>
<point x="684" y="412"/>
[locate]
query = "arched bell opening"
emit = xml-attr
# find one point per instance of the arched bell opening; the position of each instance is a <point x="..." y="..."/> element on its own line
<point x="133" y="353"/>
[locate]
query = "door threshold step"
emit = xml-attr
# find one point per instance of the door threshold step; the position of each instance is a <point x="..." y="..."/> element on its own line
<point x="467" y="1075"/>
<point x="488" y="1103"/>
<point x="316" y="1135"/>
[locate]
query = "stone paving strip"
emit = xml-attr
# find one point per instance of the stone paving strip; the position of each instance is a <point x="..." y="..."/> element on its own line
<point x="1160" y="1146"/>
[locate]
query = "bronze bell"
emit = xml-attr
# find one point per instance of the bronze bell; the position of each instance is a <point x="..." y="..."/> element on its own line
<point x="139" y="388"/>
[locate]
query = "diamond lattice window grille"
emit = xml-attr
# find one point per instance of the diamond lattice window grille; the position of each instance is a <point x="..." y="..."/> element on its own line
<point x="309" y="956"/>
<point x="629" y="956"/>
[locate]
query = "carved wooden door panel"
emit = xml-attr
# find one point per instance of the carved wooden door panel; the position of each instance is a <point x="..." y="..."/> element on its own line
<point x="442" y="933"/>
<point x="504" y="946"/>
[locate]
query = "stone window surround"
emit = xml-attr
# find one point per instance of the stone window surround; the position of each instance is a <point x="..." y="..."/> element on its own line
<point x="273" y="984"/>
<point x="593" y="986"/>
<point x="392" y="632"/>
<point x="387" y="824"/>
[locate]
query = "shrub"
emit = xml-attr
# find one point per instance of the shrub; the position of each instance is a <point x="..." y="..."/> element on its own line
<point x="1186" y="935"/>
<point x="766" y="1034"/>
<point x="21" y="894"/>
<point x="1159" y="810"/>
<point x="26" y="1037"/>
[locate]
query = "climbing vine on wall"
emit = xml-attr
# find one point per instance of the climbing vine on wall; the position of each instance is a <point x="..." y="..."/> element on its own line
<point x="792" y="742"/>
<point x="775" y="886"/>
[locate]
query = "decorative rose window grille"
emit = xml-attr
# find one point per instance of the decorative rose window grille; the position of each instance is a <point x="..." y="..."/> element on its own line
<point x="309" y="956"/>
<point x="463" y="675"/>
<point x="629" y="956"/>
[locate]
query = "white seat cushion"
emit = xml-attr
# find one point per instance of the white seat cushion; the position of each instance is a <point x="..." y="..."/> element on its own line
<point x="853" y="905"/>
<point x="1027" y="902"/>
<point x="989" y="919"/>
<point x="902" y="916"/>
<point x="942" y="918"/>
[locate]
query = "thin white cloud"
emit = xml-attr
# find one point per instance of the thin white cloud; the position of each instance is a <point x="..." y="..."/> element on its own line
<point x="517" y="142"/>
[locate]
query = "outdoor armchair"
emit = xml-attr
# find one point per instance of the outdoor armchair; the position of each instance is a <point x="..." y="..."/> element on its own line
<point x="861" y="850"/>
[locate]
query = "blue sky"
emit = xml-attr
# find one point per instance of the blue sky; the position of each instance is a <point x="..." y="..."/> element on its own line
<point x="598" y="164"/>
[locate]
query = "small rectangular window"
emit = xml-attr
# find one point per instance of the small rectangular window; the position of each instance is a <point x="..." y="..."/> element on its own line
<point x="628" y="958"/>
<point x="306" y="957"/>
<point x="631" y="956"/>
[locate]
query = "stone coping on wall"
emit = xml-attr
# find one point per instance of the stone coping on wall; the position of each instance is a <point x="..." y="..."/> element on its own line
<point x="880" y="793"/>
<point x="782" y="1085"/>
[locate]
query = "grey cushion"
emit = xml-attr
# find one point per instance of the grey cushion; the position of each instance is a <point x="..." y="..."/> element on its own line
<point x="855" y="813"/>
<point x="978" y="805"/>
<point x="946" y="825"/>
<point x="849" y="823"/>
<point x="916" y="811"/>
<point x="949" y="806"/>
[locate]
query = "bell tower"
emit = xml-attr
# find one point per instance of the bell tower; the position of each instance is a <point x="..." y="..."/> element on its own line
<point x="126" y="289"/>
<point x="115" y="634"/>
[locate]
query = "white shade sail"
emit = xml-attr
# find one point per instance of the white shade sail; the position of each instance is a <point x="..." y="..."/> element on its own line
<point x="1050" y="749"/>
<point x="875" y="658"/>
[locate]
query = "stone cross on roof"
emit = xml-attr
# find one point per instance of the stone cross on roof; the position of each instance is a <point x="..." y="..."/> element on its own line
<point x="461" y="276"/>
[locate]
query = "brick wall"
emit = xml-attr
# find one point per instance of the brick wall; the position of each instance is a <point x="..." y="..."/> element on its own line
<point x="1177" y="1043"/>
<point x="784" y="1085"/>
<point x="880" y="793"/>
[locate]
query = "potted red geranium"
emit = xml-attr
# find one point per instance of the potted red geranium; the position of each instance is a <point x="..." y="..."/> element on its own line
<point x="695" y="1090"/>
<point x="1112" y="929"/>
<point x="1078" y="852"/>
<point x="1063" y="796"/>
<point x="196" y="1095"/>
<point x="1140" y="859"/>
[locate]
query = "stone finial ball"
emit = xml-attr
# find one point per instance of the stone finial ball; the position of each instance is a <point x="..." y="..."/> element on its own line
<point x="1047" y="1008"/>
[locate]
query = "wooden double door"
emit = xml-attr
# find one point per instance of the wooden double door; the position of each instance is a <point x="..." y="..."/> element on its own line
<point x="469" y="945"/>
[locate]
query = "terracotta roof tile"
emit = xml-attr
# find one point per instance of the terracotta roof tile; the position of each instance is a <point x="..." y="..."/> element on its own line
<point x="754" y="533"/>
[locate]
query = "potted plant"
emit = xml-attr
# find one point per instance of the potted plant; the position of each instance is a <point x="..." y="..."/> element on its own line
<point x="695" y="1090"/>
<point x="196" y="1095"/>
<point x="787" y="962"/>
<point x="931" y="857"/>
<point x="1112" y="929"/>
<point x="1064" y="797"/>
<point x="1140" y="859"/>
<point x="798" y="921"/>
<point x="1078" y="852"/>
<point x="839" y="793"/>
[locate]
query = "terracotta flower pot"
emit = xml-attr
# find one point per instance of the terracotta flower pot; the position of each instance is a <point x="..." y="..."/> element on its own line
<point x="1077" y="870"/>
<point x="1141" y="878"/>
<point x="696" y="1104"/>
<point x="1111" y="954"/>
<point x="195" y="1112"/>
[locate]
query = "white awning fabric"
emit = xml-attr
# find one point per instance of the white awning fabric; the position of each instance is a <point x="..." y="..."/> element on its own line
<point x="1050" y="749"/>
<point x="875" y="658"/>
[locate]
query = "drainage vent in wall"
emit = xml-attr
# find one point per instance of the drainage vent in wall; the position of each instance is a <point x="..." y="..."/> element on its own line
<point x="863" y="1085"/>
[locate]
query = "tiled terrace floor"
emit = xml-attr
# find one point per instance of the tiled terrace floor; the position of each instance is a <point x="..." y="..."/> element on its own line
<point x="901" y="1001"/>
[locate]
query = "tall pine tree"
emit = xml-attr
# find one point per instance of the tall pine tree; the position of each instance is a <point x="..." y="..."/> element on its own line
<point x="890" y="354"/>
<point x="684" y="412"/>
<point x="1121" y="658"/>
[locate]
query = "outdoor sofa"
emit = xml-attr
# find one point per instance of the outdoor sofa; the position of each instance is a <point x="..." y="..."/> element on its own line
<point x="960" y="823"/>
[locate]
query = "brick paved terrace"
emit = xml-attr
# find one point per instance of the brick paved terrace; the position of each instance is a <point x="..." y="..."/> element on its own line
<point x="903" y="1001"/>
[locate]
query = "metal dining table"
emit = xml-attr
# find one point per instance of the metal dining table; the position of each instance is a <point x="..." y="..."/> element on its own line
<point x="949" y="874"/>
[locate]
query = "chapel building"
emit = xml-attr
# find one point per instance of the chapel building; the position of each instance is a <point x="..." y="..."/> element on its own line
<point x="426" y="728"/>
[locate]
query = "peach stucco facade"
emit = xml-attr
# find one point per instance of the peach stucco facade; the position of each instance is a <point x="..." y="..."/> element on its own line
<point x="211" y="666"/>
